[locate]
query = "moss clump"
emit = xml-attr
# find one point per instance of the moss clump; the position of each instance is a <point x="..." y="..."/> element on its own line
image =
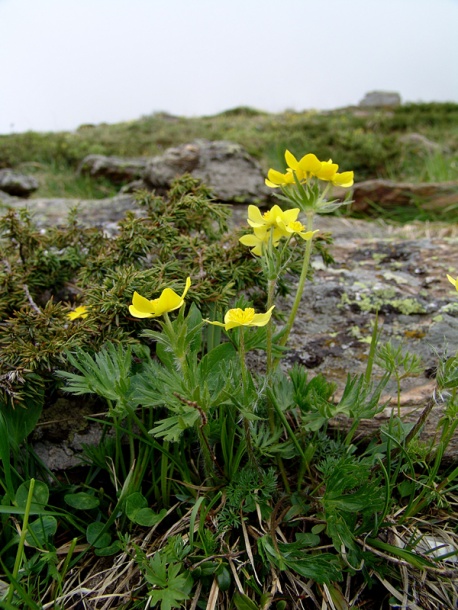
<point x="46" y="274"/>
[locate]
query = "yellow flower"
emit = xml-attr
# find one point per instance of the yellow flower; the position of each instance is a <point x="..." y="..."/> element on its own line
<point x="244" y="317"/>
<point x="79" y="312"/>
<point x="271" y="218"/>
<point x="297" y="228"/>
<point x="309" y="166"/>
<point x="453" y="281"/>
<point x="168" y="301"/>
<point x="260" y="237"/>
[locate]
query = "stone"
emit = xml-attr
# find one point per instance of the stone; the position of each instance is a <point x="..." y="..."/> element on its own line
<point x="16" y="184"/>
<point x="91" y="212"/>
<point x="430" y="196"/>
<point x="381" y="99"/>
<point x="421" y="143"/>
<point x="115" y="169"/>
<point x="225" y="167"/>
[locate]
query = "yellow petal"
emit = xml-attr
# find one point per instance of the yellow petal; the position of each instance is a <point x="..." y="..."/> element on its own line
<point x="255" y="218"/>
<point x="453" y="281"/>
<point x="215" y="323"/>
<point x="139" y="314"/>
<point x="78" y="312"/>
<point x="142" y="305"/>
<point x="291" y="160"/>
<point x="328" y="170"/>
<point x="261" y="319"/>
<point x="271" y="184"/>
<point x="308" y="234"/>
<point x="276" y="177"/>
<point x="310" y="164"/>
<point x="345" y="179"/>
<point x="186" y="287"/>
<point x="168" y="301"/>
<point x="250" y="240"/>
<point x="291" y="215"/>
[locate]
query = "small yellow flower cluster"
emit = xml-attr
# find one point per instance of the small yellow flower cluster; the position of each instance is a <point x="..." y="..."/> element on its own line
<point x="272" y="226"/>
<point x="307" y="168"/>
<point x="78" y="312"/>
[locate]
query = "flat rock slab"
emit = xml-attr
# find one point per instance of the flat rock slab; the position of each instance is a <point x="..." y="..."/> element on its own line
<point x="403" y="276"/>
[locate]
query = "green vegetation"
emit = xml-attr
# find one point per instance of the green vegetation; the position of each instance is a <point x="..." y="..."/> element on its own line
<point x="366" y="141"/>
<point x="211" y="483"/>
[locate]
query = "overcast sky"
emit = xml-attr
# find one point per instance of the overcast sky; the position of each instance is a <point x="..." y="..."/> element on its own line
<point x="64" y="63"/>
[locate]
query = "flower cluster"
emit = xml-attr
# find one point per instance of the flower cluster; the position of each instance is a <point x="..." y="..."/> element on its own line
<point x="305" y="170"/>
<point x="271" y="226"/>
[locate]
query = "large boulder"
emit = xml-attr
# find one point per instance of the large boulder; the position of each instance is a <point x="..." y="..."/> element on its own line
<point x="115" y="169"/>
<point x="16" y="184"/>
<point x="432" y="196"/>
<point x="231" y="173"/>
<point x="381" y="99"/>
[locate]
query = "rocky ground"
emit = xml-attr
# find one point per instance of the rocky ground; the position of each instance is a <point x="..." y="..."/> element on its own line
<point x="399" y="271"/>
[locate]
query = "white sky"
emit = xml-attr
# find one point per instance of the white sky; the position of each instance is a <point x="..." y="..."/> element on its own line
<point x="64" y="63"/>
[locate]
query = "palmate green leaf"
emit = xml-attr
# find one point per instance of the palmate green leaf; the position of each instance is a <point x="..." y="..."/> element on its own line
<point x="171" y="428"/>
<point x="172" y="584"/>
<point x="360" y="399"/>
<point x="107" y="374"/>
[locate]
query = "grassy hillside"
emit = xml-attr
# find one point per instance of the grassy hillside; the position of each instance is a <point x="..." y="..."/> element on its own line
<point x="367" y="141"/>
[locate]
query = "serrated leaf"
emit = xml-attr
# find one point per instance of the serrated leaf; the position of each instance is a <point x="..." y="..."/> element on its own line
<point x="171" y="428"/>
<point x="172" y="584"/>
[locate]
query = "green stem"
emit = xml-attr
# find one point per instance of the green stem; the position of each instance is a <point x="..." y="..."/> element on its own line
<point x="271" y="284"/>
<point x="20" y="549"/>
<point x="300" y="287"/>
<point x="246" y="423"/>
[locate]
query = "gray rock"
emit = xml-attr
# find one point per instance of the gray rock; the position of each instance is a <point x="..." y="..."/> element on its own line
<point x="420" y="143"/>
<point x="115" y="169"/>
<point x="231" y="173"/>
<point x="16" y="184"/>
<point x="381" y="99"/>
<point x="91" y="212"/>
